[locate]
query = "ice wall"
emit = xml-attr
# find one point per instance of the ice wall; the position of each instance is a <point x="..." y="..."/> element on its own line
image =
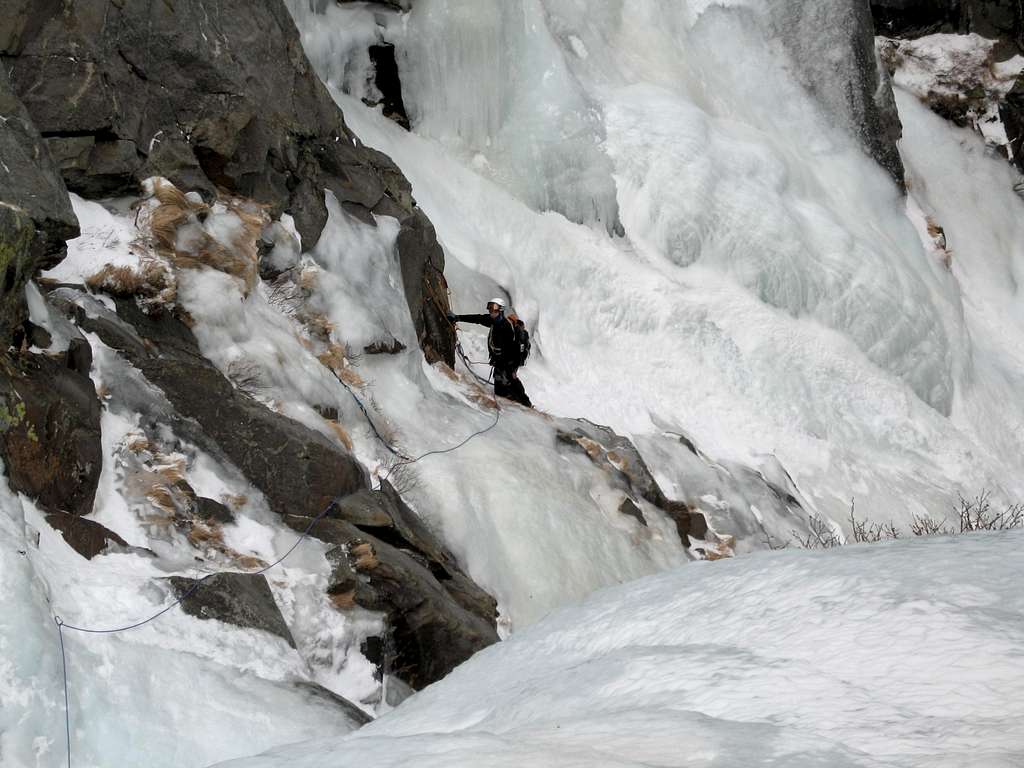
<point x="770" y="298"/>
<point x="488" y="78"/>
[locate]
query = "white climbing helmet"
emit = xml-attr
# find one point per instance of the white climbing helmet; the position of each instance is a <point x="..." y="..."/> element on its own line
<point x="499" y="302"/>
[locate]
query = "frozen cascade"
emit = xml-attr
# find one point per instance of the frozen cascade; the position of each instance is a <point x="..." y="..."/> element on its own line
<point x="488" y="78"/>
<point x="771" y="299"/>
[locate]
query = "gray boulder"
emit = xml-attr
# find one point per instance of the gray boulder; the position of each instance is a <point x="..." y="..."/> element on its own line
<point x="242" y="599"/>
<point x="995" y="19"/>
<point x="35" y="212"/>
<point x="999" y="20"/>
<point x="50" y="432"/>
<point x="87" y="537"/>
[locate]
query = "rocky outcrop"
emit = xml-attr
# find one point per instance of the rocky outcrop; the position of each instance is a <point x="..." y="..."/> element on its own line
<point x="386" y="560"/>
<point x="35" y="212"/>
<point x="622" y="461"/>
<point x="50" y="432"/>
<point x="242" y="599"/>
<point x="87" y="537"/>
<point x="211" y="94"/>
<point x="298" y="470"/>
<point x="969" y="87"/>
<point x="995" y="19"/>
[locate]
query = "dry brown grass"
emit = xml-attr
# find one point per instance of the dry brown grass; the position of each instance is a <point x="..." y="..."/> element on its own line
<point x="309" y="278"/>
<point x="249" y="562"/>
<point x="722" y="550"/>
<point x="938" y="235"/>
<point x="319" y="326"/>
<point x="333" y="357"/>
<point x="208" y="537"/>
<point x="203" y="534"/>
<point x="137" y="443"/>
<point x="174" y="211"/>
<point x="344" y="601"/>
<point x="152" y="281"/>
<point x="162" y="498"/>
<point x="447" y="371"/>
<point x="483" y="399"/>
<point x="340" y="433"/>
<point x="336" y="360"/>
<point x="594" y="449"/>
<point x="365" y="556"/>
<point x="171" y="470"/>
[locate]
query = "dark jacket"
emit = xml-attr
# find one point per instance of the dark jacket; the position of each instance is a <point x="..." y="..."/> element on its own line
<point x="501" y="341"/>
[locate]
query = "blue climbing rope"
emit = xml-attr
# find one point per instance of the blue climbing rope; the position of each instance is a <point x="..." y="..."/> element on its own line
<point x="62" y="625"/>
<point x="405" y="461"/>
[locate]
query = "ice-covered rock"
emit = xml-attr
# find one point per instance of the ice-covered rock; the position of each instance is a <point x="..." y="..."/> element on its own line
<point x="298" y="470"/>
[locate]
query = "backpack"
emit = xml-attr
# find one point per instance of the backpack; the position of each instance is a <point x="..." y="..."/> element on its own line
<point x="521" y="340"/>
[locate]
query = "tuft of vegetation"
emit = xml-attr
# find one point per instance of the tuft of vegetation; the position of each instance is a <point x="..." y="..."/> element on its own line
<point x="11" y="418"/>
<point x="178" y="229"/>
<point x="968" y="516"/>
<point x="971" y="515"/>
<point x="152" y="282"/>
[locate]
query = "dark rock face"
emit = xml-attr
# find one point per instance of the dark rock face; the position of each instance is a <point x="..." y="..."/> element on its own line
<point x="389" y="83"/>
<point x="386" y="560"/>
<point x="629" y="508"/>
<point x="402" y="5"/>
<point x="211" y="511"/>
<point x="87" y="537"/>
<point x="1011" y="112"/>
<point x="209" y="93"/>
<point x="999" y="20"/>
<point x="298" y="470"/>
<point x="50" y="424"/>
<point x="865" y="101"/>
<point x="620" y="458"/>
<point x="242" y="599"/>
<point x="35" y="212"/>
<point x="994" y="19"/>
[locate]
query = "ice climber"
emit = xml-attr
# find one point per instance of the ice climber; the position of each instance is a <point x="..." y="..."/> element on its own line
<point x="508" y="344"/>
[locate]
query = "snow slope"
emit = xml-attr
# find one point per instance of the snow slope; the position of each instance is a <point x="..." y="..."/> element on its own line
<point x="902" y="654"/>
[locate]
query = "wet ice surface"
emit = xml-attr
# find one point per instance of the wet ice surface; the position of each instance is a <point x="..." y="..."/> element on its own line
<point x="900" y="654"/>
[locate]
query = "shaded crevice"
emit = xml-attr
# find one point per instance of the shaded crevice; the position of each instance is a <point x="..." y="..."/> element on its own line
<point x="389" y="83"/>
<point x="214" y="166"/>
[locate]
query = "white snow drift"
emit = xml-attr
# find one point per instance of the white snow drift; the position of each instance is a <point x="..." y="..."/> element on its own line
<point x="904" y="654"/>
